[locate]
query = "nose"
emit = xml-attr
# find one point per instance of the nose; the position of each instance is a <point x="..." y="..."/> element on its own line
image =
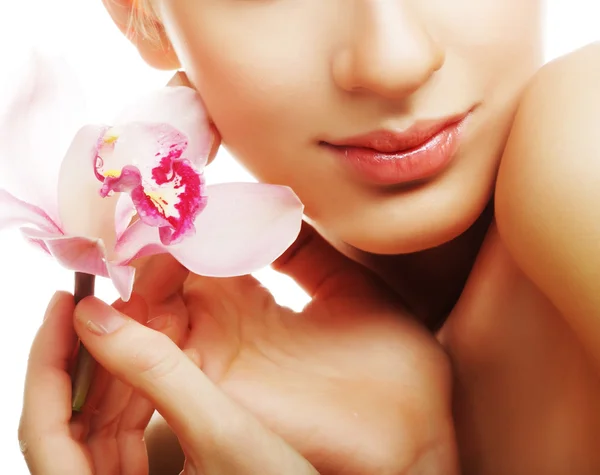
<point x="389" y="51"/>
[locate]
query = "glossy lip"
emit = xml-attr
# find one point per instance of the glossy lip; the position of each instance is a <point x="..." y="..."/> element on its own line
<point x="388" y="157"/>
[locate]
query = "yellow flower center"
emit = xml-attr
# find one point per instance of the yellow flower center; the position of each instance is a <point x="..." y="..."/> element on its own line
<point x="112" y="173"/>
<point x="110" y="137"/>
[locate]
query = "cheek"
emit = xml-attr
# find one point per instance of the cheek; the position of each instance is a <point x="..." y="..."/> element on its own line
<point x="492" y="49"/>
<point x="261" y="94"/>
<point x="508" y="25"/>
<point x="263" y="70"/>
<point x="498" y="41"/>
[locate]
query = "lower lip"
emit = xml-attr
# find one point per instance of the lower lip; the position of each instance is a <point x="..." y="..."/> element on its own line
<point x="420" y="163"/>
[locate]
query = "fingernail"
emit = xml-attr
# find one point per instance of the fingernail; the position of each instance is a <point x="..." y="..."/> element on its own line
<point x="99" y="318"/>
<point x="52" y="305"/>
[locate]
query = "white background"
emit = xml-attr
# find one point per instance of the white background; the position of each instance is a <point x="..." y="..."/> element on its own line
<point x="110" y="72"/>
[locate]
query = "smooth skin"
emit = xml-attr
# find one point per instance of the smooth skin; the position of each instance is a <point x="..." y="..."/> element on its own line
<point x="547" y="192"/>
<point x="148" y="369"/>
<point x="291" y="370"/>
<point x="521" y="338"/>
<point x="512" y="360"/>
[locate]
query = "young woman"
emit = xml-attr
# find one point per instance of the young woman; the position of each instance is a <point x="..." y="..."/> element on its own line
<point x="390" y="120"/>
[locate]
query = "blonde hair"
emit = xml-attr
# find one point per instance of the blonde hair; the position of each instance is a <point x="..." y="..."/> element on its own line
<point x="143" y="22"/>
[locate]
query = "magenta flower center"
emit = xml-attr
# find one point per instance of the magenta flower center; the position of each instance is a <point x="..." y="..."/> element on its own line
<point x="148" y="162"/>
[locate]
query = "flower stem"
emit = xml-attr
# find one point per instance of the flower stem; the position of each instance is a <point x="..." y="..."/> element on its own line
<point x="85" y="364"/>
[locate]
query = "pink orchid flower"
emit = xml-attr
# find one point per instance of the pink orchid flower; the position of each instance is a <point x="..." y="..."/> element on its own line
<point x="136" y="188"/>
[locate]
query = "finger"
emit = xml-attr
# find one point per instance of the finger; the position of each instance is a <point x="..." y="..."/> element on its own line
<point x="107" y="401"/>
<point x="229" y="440"/>
<point x="99" y="406"/>
<point x="158" y="278"/>
<point x="121" y="415"/>
<point x="133" y="353"/>
<point x="218" y="309"/>
<point x="44" y="432"/>
<point x="320" y="269"/>
<point x="137" y="415"/>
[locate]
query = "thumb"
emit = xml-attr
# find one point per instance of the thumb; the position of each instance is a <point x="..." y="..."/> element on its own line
<point x="322" y="271"/>
<point x="144" y="358"/>
<point x="224" y="437"/>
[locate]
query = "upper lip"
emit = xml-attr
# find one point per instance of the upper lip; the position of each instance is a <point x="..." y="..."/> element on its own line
<point x="392" y="141"/>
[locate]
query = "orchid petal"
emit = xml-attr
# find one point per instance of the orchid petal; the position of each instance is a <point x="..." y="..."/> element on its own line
<point x="244" y="227"/>
<point x="138" y="145"/>
<point x="122" y="278"/>
<point x="171" y="200"/>
<point x="81" y="254"/>
<point x="145" y="161"/>
<point x="31" y="146"/>
<point x="139" y="240"/>
<point x="15" y="212"/>
<point x="182" y="108"/>
<point x="40" y="244"/>
<point x="83" y="211"/>
<point x="125" y="181"/>
<point x="124" y="213"/>
<point x="76" y="253"/>
<point x="35" y="242"/>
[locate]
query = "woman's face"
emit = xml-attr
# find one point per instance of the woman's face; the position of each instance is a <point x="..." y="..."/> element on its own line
<point x="386" y="117"/>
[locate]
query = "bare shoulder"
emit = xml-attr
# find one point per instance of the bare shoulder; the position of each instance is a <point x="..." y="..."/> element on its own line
<point x="581" y="66"/>
<point x="562" y="96"/>
<point x="548" y="190"/>
<point x="558" y="117"/>
<point x="552" y="157"/>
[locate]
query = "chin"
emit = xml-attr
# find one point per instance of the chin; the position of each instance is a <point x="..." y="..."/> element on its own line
<point x="392" y="234"/>
<point x="386" y="241"/>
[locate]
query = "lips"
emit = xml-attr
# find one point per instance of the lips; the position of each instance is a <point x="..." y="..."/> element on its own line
<point x="386" y="141"/>
<point x="390" y="157"/>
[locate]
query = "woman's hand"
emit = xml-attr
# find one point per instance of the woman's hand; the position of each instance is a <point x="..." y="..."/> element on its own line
<point x="107" y="438"/>
<point x="352" y="383"/>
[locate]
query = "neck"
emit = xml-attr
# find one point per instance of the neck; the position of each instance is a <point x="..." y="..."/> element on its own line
<point x="429" y="282"/>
